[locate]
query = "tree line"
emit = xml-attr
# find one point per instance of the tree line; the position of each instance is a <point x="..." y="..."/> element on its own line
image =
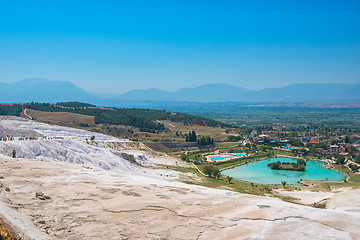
<point x="144" y="119"/>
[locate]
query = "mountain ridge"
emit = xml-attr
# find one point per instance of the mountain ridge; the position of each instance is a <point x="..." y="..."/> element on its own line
<point x="41" y="90"/>
<point x="303" y="92"/>
<point x="44" y="90"/>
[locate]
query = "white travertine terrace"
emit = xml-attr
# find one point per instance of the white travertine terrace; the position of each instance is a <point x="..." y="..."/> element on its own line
<point x="97" y="193"/>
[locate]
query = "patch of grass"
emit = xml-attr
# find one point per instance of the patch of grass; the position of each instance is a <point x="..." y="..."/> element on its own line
<point x="159" y="147"/>
<point x="226" y="144"/>
<point x="287" y="198"/>
<point x="353" y="177"/>
<point x="64" y="117"/>
<point x="217" y="133"/>
<point x="180" y="169"/>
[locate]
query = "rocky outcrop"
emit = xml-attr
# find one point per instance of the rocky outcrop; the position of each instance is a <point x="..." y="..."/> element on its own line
<point x="19" y="225"/>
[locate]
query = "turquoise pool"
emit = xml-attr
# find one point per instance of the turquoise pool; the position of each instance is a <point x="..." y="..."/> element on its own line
<point x="241" y="154"/>
<point x="221" y="157"/>
<point x="259" y="172"/>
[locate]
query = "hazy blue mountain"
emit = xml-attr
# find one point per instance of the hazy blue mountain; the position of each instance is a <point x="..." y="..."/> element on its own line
<point x="213" y="93"/>
<point x="229" y="93"/>
<point x="41" y="90"/>
<point x="204" y="93"/>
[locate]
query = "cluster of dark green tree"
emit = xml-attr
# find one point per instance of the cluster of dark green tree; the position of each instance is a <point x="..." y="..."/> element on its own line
<point x="195" y="158"/>
<point x="13" y="110"/>
<point x="356" y="159"/>
<point x="124" y="118"/>
<point x="354" y="168"/>
<point x="233" y="138"/>
<point x="340" y="159"/>
<point x="189" y="119"/>
<point x="191" y="137"/>
<point x="298" y="166"/>
<point x="202" y="141"/>
<point x="205" y="141"/>
<point x="184" y="157"/>
<point x="144" y="119"/>
<point x="263" y="148"/>
<point x="74" y="104"/>
<point x="211" y="170"/>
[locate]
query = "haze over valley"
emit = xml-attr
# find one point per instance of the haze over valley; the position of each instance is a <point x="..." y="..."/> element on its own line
<point x="43" y="90"/>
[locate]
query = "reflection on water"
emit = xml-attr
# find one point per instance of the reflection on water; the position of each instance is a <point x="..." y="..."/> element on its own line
<point x="286" y="173"/>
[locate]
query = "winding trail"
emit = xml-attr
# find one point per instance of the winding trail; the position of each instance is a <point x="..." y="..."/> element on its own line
<point x="25" y="113"/>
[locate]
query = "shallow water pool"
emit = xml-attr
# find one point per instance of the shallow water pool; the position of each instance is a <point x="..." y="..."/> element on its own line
<point x="259" y="172"/>
<point x="221" y="157"/>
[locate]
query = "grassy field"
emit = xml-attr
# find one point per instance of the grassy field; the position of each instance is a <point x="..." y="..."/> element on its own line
<point x="214" y="132"/>
<point x="217" y="133"/>
<point x="227" y="144"/>
<point x="353" y="178"/>
<point x="59" y="117"/>
<point x="159" y="147"/>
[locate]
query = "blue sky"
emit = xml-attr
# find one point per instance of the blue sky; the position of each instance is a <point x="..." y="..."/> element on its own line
<point x="115" y="46"/>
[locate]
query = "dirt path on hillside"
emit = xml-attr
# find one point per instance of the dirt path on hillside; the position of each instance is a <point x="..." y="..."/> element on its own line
<point x="27" y="115"/>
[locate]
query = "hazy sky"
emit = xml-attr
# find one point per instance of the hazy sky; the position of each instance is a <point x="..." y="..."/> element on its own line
<point x="115" y="46"/>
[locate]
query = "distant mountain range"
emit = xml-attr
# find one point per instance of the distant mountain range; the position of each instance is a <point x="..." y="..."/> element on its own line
<point x="228" y="93"/>
<point x="43" y="90"/>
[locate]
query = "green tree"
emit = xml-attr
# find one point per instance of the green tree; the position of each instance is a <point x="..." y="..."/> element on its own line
<point x="283" y="183"/>
<point x="184" y="157"/>
<point x="301" y="161"/>
<point x="193" y="136"/>
<point x="357" y="159"/>
<point x="205" y="141"/>
<point x="313" y="150"/>
<point x="294" y="151"/>
<point x="354" y="168"/>
<point x="228" y="178"/>
<point x="340" y="159"/>
<point x="92" y="138"/>
<point x="262" y="148"/>
<point x="207" y="170"/>
<point x="211" y="170"/>
<point x="266" y="140"/>
<point x="215" y="172"/>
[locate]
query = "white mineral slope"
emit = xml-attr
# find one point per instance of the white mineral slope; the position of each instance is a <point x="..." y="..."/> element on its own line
<point x="74" y="148"/>
<point x="98" y="204"/>
<point x="23" y="126"/>
<point x="67" y="151"/>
